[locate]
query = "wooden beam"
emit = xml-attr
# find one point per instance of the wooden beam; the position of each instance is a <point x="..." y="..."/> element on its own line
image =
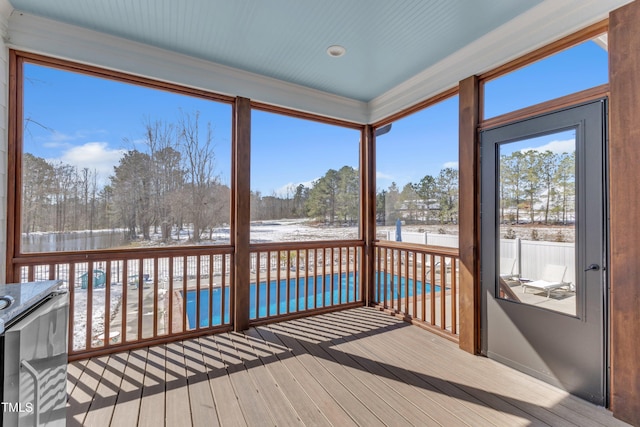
<point x="14" y="170"/>
<point x="624" y="178"/>
<point x="368" y="216"/>
<point x="469" y="215"/>
<point x="241" y="212"/>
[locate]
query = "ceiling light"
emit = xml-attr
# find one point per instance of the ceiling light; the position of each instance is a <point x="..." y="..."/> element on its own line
<point x="336" y="50"/>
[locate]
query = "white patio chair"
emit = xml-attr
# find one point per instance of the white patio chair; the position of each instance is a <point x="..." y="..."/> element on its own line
<point x="552" y="278"/>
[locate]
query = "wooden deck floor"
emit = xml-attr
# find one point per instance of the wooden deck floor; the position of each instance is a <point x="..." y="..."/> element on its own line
<point x="356" y="367"/>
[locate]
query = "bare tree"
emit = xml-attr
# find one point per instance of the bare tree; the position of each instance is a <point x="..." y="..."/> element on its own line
<point x="199" y="157"/>
<point x="165" y="172"/>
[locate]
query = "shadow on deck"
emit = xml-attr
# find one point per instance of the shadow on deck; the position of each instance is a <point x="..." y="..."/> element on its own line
<point x="355" y="367"/>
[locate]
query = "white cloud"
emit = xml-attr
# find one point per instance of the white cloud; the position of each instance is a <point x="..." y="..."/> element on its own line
<point x="382" y="175"/>
<point x="556" y="147"/>
<point x="55" y="144"/>
<point x="58" y="139"/>
<point x="95" y="156"/>
<point x="451" y="165"/>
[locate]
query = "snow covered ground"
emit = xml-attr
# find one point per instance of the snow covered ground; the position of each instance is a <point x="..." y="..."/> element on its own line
<point x="98" y="318"/>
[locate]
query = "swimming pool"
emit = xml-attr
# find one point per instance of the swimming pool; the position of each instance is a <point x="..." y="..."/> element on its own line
<point x="303" y="294"/>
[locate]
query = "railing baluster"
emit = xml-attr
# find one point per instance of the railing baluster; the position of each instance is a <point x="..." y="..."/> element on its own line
<point x="454" y="311"/>
<point x="423" y="293"/>
<point x="223" y="291"/>
<point x="89" y="312"/>
<point x="346" y="273"/>
<point x="257" y="286"/>
<point x="414" y="298"/>
<point x="170" y="290"/>
<point x="331" y="284"/>
<point x="306" y="279"/>
<point x="198" y="285"/>
<point x="107" y="304"/>
<point x="140" y="287"/>
<point x="212" y="267"/>
<point x="432" y="292"/>
<point x="406" y="281"/>
<point x="398" y="306"/>
<point x="315" y="278"/>
<point x="125" y="298"/>
<point x="278" y="279"/>
<point x="385" y="277"/>
<point x="155" y="297"/>
<point x="268" y="285"/>
<point x="443" y="291"/>
<point x="340" y="274"/>
<point x="185" y="278"/>
<point x="324" y="275"/>
<point x="288" y="288"/>
<point x="72" y="306"/>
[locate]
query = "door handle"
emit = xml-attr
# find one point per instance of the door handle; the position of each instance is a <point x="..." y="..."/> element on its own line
<point x="594" y="267"/>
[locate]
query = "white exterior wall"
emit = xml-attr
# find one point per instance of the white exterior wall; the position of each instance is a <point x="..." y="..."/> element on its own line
<point x="5" y="10"/>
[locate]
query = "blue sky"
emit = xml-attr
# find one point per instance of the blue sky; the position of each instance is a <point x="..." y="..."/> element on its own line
<point x="90" y="122"/>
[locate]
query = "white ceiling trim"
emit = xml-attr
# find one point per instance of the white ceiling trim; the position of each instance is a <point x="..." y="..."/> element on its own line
<point x="52" y="38"/>
<point x="547" y="22"/>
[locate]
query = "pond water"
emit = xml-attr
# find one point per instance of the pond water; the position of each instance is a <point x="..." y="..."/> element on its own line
<point x="72" y="241"/>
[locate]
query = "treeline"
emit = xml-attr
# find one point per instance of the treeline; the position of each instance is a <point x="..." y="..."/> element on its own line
<point x="172" y="183"/>
<point x="335" y="198"/>
<point x="538" y="187"/>
<point x="432" y="200"/>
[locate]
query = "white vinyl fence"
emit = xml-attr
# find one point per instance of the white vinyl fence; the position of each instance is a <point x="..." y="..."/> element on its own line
<point x="531" y="255"/>
<point x="433" y="239"/>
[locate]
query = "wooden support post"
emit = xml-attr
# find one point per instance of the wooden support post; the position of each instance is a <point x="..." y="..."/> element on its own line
<point x="241" y="212"/>
<point x="469" y="215"/>
<point x="624" y="177"/>
<point x="368" y="216"/>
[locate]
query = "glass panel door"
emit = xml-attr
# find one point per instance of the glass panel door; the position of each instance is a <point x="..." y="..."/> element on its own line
<point x="537" y="219"/>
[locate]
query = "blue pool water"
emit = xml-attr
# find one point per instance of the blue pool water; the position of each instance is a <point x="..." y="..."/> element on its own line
<point x="301" y="292"/>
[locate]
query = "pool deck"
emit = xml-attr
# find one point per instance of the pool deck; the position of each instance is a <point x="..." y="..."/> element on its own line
<point x="354" y="367"/>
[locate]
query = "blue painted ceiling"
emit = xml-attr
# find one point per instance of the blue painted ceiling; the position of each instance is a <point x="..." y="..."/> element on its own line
<point x="387" y="41"/>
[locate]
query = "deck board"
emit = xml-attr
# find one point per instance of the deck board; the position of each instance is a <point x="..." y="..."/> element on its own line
<point x="354" y="367"/>
<point x="251" y="400"/>
<point x="127" y="406"/>
<point x="84" y="391"/>
<point x="227" y="405"/>
<point x="203" y="408"/>
<point x="103" y="403"/>
<point x="155" y="388"/>
<point x="177" y="390"/>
